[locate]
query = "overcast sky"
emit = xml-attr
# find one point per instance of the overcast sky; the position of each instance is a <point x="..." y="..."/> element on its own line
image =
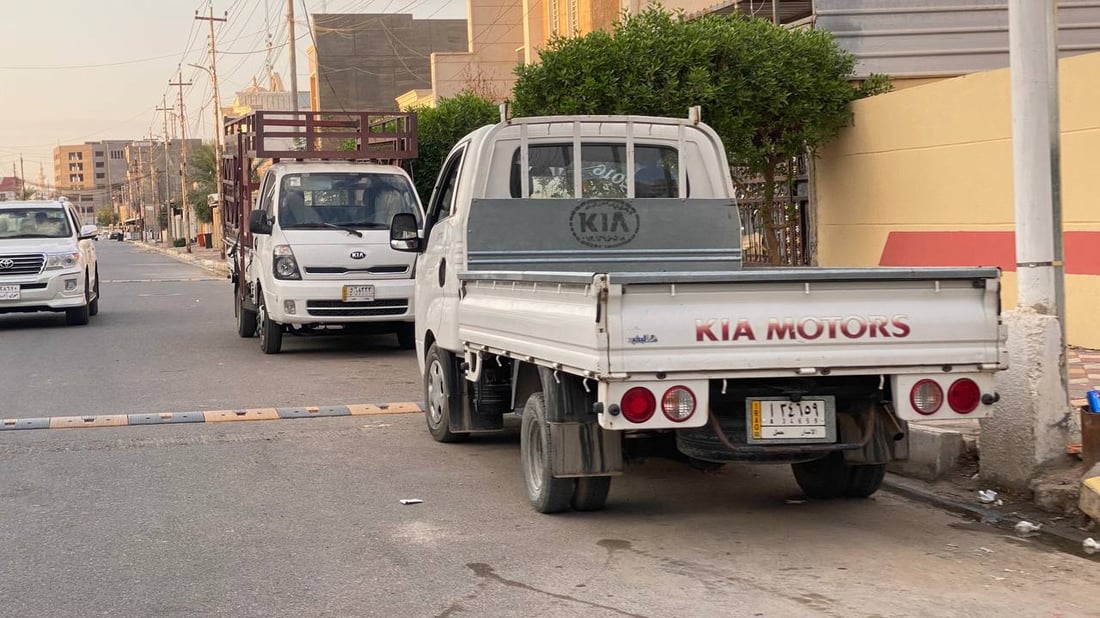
<point x="50" y="95"/>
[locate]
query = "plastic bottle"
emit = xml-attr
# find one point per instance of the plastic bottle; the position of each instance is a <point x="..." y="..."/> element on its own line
<point x="1094" y="400"/>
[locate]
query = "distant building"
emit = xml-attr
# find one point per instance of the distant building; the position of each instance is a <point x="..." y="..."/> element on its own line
<point x="364" y="61"/>
<point x="10" y="187"/>
<point x="92" y="175"/>
<point x="257" y="98"/>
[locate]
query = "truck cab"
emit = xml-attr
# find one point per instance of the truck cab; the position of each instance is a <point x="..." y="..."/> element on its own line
<point x="311" y="251"/>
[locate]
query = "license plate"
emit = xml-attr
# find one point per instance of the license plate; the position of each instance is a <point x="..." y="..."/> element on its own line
<point x="358" y="293"/>
<point x="780" y="420"/>
<point x="9" y="292"/>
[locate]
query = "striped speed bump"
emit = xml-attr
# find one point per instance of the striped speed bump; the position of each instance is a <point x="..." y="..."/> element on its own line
<point x="207" y="416"/>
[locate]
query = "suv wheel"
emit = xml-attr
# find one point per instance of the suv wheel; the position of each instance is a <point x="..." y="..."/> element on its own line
<point x="79" y="316"/>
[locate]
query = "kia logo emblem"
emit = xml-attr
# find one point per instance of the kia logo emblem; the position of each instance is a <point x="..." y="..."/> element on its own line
<point x="7" y="263"/>
<point x="358" y="255"/>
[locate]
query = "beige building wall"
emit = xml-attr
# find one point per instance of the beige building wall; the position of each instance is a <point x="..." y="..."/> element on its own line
<point x="496" y="43"/>
<point x="924" y="178"/>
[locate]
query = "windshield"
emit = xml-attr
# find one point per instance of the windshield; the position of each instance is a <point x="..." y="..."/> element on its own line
<point x="34" y="223"/>
<point x="355" y="200"/>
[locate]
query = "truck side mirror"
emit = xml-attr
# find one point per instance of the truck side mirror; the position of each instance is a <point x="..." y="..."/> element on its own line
<point x="258" y="223"/>
<point x="404" y="234"/>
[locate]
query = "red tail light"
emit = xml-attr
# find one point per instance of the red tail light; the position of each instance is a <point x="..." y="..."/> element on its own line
<point x="678" y="404"/>
<point x="638" y="405"/>
<point x="926" y="397"/>
<point x="964" y="396"/>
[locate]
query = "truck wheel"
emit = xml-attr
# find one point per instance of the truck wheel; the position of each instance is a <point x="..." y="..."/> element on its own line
<point x="406" y="336"/>
<point x="440" y="396"/>
<point x="546" y="493"/>
<point x="590" y="493"/>
<point x="93" y="307"/>
<point x="246" y="319"/>
<point x="829" y="477"/>
<point x="271" y="333"/>
<point x="80" y="315"/>
<point x="864" y="480"/>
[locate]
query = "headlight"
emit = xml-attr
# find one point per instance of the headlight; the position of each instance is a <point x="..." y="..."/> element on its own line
<point x="59" y="261"/>
<point x="285" y="266"/>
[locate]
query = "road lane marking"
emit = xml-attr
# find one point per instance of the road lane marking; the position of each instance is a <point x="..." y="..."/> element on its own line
<point x="207" y="416"/>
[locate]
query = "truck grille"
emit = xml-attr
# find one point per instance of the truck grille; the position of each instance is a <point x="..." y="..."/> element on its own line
<point x="22" y="264"/>
<point x="336" y="308"/>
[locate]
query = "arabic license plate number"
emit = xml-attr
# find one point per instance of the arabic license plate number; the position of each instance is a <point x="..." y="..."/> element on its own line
<point x="808" y="420"/>
<point x="358" y="293"/>
<point x="9" y="292"/>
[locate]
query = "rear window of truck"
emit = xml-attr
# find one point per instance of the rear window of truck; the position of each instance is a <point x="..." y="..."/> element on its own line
<point x="603" y="171"/>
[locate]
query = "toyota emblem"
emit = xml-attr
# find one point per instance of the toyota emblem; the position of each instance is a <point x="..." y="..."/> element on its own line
<point x="358" y="255"/>
<point x="7" y="263"/>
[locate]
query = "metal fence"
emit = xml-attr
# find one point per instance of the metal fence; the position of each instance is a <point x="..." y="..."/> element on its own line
<point x="790" y="209"/>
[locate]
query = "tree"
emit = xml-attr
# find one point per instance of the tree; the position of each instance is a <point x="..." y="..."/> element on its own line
<point x="106" y="216"/>
<point x="439" y="128"/>
<point x="203" y="166"/>
<point x="771" y="93"/>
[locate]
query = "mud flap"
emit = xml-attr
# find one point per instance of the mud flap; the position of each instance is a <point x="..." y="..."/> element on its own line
<point x="585" y="449"/>
<point x="887" y="435"/>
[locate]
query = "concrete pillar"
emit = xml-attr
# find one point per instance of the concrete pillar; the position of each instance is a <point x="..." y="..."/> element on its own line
<point x="1032" y="423"/>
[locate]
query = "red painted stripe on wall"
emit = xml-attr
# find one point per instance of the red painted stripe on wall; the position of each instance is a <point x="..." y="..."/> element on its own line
<point x="1082" y="250"/>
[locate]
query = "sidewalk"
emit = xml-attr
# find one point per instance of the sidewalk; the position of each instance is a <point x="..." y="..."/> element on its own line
<point x="206" y="258"/>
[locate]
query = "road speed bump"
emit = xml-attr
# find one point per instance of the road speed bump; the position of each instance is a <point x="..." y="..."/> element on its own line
<point x="254" y="414"/>
<point x="207" y="416"/>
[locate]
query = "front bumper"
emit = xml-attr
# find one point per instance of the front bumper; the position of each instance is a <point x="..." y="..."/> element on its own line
<point x="320" y="302"/>
<point x="45" y="292"/>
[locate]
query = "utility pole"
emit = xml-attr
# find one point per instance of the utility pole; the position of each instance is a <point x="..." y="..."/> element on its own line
<point x="167" y="192"/>
<point x="293" y="57"/>
<point x="1031" y="425"/>
<point x="183" y="164"/>
<point x="151" y="223"/>
<point x="218" y="149"/>
<point x="22" y="180"/>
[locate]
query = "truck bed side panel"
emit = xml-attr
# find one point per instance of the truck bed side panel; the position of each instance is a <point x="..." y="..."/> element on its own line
<point x="548" y="321"/>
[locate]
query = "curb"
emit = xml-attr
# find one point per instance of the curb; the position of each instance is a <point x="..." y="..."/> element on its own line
<point x="1062" y="540"/>
<point x="214" y="266"/>
<point x="205" y="416"/>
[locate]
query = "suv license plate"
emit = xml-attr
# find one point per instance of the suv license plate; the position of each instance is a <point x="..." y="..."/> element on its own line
<point x="358" y="293"/>
<point x="780" y="420"/>
<point x="9" y="292"/>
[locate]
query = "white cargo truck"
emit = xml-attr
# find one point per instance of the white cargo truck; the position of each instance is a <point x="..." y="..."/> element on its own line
<point x="309" y="241"/>
<point x="585" y="272"/>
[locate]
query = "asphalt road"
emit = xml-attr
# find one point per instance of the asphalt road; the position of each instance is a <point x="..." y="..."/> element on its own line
<point x="165" y="340"/>
<point x="303" y="517"/>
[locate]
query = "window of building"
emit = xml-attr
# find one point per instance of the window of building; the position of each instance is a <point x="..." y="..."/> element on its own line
<point x="74" y="178"/>
<point x="116" y="154"/>
<point x="99" y="163"/>
<point x="99" y="176"/>
<point x="555" y="19"/>
<point x="99" y="153"/>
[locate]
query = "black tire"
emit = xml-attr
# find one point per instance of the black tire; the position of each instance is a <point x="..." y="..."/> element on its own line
<point x="246" y="319"/>
<point x="79" y="316"/>
<point x="406" y="336"/>
<point x="830" y="477"/>
<point x="590" y="493"/>
<point x="822" y="479"/>
<point x="440" y="396"/>
<point x="93" y="307"/>
<point x="546" y="493"/>
<point x="864" y="480"/>
<point x="271" y="333"/>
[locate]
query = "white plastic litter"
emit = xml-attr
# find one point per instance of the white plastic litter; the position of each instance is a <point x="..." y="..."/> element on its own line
<point x="1091" y="546"/>
<point x="1026" y="528"/>
<point x="987" y="496"/>
<point x="411" y="501"/>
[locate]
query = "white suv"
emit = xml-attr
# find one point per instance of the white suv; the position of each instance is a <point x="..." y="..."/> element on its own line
<point x="47" y="261"/>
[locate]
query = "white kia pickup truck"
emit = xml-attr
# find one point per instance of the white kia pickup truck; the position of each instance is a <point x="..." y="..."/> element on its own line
<point x="585" y="272"/>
